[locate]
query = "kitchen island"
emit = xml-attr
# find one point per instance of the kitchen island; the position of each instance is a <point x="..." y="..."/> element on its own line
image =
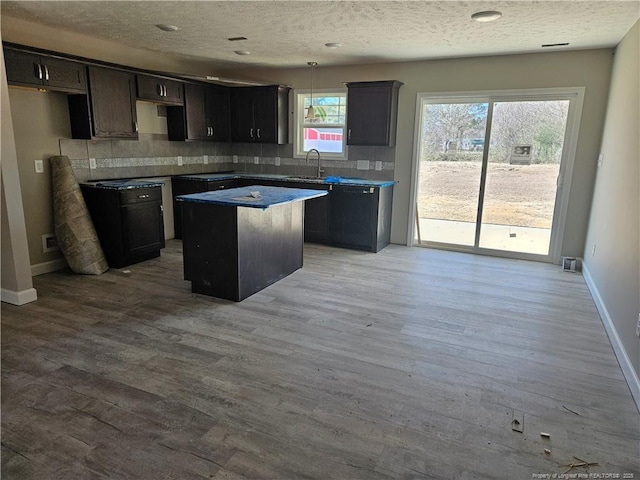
<point x="238" y="241"/>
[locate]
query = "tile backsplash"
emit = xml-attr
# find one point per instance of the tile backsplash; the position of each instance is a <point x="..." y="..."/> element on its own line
<point x="153" y="155"/>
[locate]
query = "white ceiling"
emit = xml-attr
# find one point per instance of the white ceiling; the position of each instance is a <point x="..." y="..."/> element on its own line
<point x="291" y="33"/>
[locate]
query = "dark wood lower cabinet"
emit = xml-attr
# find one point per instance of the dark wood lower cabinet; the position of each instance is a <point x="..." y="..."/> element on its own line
<point x="356" y="217"/>
<point x="186" y="186"/>
<point x="129" y="223"/>
<point x="232" y="252"/>
<point x="360" y="217"/>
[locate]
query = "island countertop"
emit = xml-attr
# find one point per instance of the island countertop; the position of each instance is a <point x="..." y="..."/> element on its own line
<point x="254" y="196"/>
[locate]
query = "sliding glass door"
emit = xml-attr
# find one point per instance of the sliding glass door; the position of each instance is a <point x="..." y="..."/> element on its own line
<point x="488" y="171"/>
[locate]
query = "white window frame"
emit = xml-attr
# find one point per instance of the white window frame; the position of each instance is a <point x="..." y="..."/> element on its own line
<point x="575" y="95"/>
<point x="298" y="112"/>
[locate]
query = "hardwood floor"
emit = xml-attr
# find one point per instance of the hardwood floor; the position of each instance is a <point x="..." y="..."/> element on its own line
<point x="406" y="364"/>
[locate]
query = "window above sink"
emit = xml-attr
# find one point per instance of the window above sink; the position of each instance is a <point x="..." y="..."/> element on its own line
<point x="326" y="132"/>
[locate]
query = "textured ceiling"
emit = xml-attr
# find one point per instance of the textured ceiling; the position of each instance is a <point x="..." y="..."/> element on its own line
<point x="290" y="33"/>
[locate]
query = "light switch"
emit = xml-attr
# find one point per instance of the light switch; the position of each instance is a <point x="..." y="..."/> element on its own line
<point x="378" y="165"/>
<point x="179" y="161"/>
<point x="205" y="159"/>
<point x="39" y="166"/>
<point x="600" y="160"/>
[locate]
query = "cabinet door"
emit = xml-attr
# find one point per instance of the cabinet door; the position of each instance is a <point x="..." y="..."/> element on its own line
<point x="173" y="92"/>
<point x="23" y="68"/>
<point x="217" y="113"/>
<point x="183" y="186"/>
<point x="64" y="76"/>
<point x="372" y="110"/>
<point x="316" y="213"/>
<point x="242" y="127"/>
<point x="265" y="118"/>
<point x="113" y="103"/>
<point x="352" y="217"/>
<point x="159" y="90"/>
<point x="195" y="110"/>
<point x="142" y="228"/>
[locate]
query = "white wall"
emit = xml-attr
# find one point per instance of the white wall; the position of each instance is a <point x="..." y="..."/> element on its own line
<point x="613" y="272"/>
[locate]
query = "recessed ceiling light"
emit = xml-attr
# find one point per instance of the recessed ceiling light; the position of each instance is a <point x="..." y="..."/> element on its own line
<point x="242" y="52"/>
<point x="167" y="28"/>
<point x="554" y="45"/>
<point x="333" y="45"/>
<point x="486" y="16"/>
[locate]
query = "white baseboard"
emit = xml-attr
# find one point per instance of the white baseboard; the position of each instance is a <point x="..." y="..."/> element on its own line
<point x="628" y="371"/>
<point x="46" y="267"/>
<point x="18" y="298"/>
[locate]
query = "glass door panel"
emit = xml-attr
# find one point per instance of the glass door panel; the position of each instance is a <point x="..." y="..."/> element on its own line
<point x="451" y="150"/>
<point x="521" y="182"/>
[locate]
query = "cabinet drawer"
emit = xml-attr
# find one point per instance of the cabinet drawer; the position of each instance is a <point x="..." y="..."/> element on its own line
<point x="140" y="195"/>
<point x="221" y="185"/>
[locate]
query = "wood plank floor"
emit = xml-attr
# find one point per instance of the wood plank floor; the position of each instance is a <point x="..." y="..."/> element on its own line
<point x="406" y="364"/>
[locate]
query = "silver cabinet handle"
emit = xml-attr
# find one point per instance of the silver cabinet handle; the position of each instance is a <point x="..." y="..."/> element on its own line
<point x="349" y="134"/>
<point x="258" y="132"/>
<point x="38" y="67"/>
<point x="159" y="89"/>
<point x="143" y="196"/>
<point x="212" y="131"/>
<point x="46" y="73"/>
<point x="251" y="133"/>
<point x="164" y="89"/>
<point x="135" y="126"/>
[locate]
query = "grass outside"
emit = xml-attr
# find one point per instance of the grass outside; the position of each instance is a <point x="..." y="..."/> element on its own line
<point x="518" y="195"/>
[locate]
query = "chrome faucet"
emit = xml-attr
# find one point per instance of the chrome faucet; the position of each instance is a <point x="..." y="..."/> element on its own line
<point x="320" y="171"/>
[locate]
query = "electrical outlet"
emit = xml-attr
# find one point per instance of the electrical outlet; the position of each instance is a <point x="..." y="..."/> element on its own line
<point x="235" y="159"/>
<point x="593" y="250"/>
<point x="638" y="327"/>
<point x="362" y="164"/>
<point x="277" y="162"/>
<point x="205" y="159"/>
<point x="39" y="165"/>
<point x="92" y="163"/>
<point x="600" y="160"/>
<point x="179" y="161"/>
<point x="256" y="160"/>
<point x="49" y="243"/>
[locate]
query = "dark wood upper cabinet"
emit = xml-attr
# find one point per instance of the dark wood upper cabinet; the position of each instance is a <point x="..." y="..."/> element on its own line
<point x="372" y="113"/>
<point x="109" y="110"/>
<point x="41" y="71"/>
<point x="159" y="90"/>
<point x="205" y="115"/>
<point x="260" y="114"/>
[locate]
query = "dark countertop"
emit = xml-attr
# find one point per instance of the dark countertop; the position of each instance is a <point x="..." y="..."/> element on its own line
<point x="123" y="184"/>
<point x="263" y="196"/>
<point x="330" y="180"/>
